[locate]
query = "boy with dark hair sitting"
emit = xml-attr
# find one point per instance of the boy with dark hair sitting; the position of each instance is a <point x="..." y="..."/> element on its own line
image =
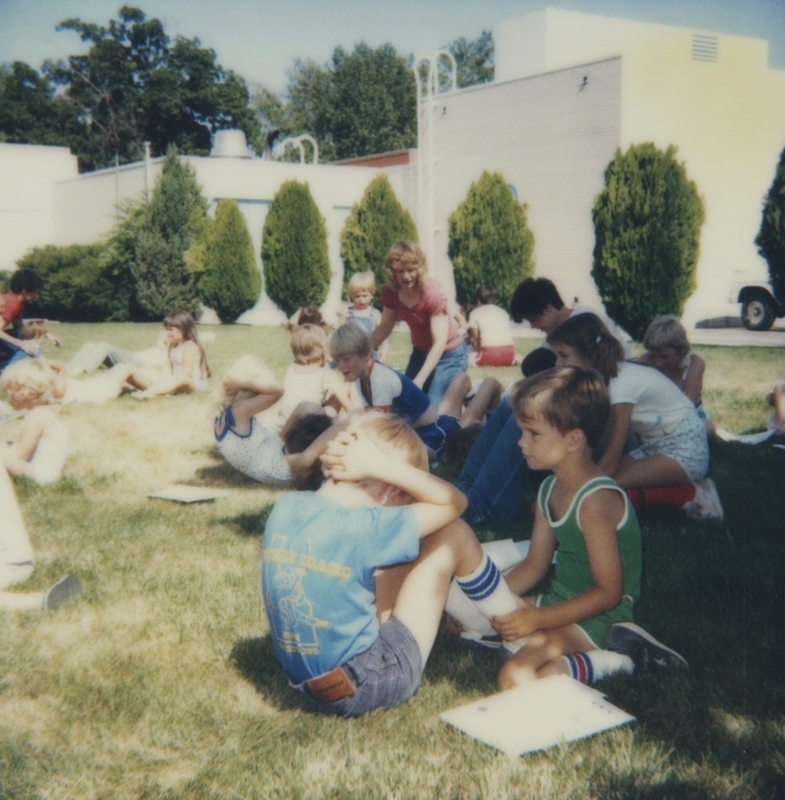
<point x="347" y="643"/>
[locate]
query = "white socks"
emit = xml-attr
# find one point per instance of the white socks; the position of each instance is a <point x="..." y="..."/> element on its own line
<point x="597" y="664"/>
<point x="488" y="590"/>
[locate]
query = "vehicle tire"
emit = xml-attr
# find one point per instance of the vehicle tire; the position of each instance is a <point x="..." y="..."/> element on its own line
<point x="757" y="314"/>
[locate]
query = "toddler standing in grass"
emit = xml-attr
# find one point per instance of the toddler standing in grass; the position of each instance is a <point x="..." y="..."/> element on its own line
<point x="562" y="414"/>
<point x="361" y="289"/>
<point x="347" y="643"/>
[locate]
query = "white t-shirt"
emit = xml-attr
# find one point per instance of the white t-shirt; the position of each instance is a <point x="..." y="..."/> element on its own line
<point x="303" y="382"/>
<point x="657" y="403"/>
<point x="493" y="325"/>
<point x="15" y="546"/>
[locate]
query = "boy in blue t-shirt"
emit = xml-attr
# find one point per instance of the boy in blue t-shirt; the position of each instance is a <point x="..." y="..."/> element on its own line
<point x="350" y="635"/>
<point x="384" y="389"/>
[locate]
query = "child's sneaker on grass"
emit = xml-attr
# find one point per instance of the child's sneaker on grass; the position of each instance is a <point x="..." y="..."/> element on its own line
<point x="646" y="652"/>
<point x="706" y="505"/>
<point x="480" y="641"/>
<point x="61" y="591"/>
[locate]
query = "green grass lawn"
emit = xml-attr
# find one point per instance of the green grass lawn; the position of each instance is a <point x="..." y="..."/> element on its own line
<point x="160" y="681"/>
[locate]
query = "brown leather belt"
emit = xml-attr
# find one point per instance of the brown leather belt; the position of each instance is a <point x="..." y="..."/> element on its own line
<point x="331" y="687"/>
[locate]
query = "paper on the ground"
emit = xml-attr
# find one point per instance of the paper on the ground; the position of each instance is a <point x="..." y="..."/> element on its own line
<point x="189" y="494"/>
<point x="746" y="438"/>
<point x="537" y="715"/>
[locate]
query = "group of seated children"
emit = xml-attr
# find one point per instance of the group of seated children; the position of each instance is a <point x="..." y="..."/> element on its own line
<point x="355" y="576"/>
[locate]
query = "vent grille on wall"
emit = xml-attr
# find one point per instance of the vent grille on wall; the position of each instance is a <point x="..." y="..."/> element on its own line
<point x="704" y="48"/>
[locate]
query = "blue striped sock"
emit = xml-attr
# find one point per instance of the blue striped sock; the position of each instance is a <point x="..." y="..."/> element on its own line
<point x="488" y="590"/>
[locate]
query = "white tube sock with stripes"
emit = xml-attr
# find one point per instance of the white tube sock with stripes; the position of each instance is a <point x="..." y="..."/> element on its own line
<point x="488" y="590"/>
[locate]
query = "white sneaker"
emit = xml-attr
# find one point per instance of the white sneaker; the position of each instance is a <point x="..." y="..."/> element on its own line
<point x="706" y="504"/>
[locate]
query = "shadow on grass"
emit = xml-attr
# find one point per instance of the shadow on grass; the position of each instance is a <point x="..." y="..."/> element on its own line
<point x="224" y="476"/>
<point x="255" y="660"/>
<point x="249" y="523"/>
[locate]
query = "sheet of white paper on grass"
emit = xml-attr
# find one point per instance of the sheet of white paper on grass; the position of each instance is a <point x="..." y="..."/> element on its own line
<point x="189" y="494"/>
<point x="537" y="715"/>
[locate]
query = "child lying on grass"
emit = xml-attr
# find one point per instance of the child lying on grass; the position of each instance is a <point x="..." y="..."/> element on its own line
<point x="344" y="650"/>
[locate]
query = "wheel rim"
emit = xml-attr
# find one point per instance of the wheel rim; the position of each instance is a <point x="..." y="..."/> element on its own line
<point x="755" y="311"/>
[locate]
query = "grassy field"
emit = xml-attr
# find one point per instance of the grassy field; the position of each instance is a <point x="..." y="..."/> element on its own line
<point x="160" y="681"/>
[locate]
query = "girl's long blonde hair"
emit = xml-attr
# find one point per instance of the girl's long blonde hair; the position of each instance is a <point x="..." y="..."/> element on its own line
<point x="186" y="324"/>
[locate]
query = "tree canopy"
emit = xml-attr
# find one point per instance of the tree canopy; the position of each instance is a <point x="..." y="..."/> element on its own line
<point x="132" y="85"/>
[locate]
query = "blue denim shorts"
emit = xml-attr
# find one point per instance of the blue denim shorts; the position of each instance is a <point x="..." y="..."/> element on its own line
<point x="386" y="674"/>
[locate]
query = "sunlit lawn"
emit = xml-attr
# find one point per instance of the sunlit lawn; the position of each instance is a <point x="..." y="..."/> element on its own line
<point x="160" y="680"/>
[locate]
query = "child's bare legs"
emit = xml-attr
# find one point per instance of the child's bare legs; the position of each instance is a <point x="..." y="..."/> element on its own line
<point x="541" y="656"/>
<point x="168" y="384"/>
<point x="485" y="399"/>
<point x="453" y="550"/>
<point x="652" y="471"/>
<point x="452" y="401"/>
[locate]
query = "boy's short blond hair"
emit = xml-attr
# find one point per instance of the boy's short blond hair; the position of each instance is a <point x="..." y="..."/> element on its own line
<point x="394" y="437"/>
<point x="350" y="339"/>
<point x="309" y="344"/>
<point x="28" y="381"/>
<point x="362" y="280"/>
<point x="667" y="331"/>
<point x="405" y="254"/>
<point x="568" y="398"/>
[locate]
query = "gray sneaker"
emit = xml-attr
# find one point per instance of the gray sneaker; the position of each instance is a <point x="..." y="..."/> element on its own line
<point x="61" y="591"/>
<point x="646" y="652"/>
<point x="479" y="641"/>
<point x="706" y="504"/>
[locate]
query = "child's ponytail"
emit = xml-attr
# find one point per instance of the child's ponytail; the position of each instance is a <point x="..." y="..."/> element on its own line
<point x="592" y="341"/>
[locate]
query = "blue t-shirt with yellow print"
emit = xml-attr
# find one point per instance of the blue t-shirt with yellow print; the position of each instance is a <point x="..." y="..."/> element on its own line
<point x="318" y="561"/>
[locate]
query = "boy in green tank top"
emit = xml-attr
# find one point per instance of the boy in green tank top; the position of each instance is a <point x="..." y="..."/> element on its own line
<point x="562" y="413"/>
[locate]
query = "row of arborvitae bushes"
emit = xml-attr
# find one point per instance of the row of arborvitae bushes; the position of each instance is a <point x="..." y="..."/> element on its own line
<point x="169" y="253"/>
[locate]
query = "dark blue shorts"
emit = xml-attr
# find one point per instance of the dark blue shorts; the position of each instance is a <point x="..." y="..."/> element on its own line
<point x="386" y="674"/>
<point x="435" y="434"/>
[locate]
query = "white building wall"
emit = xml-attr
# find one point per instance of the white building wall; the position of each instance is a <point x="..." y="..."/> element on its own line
<point x="725" y="113"/>
<point x="550" y="139"/>
<point x="27" y="214"/>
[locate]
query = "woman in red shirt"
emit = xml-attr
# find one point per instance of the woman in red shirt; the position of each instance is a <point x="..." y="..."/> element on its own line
<point x="438" y="349"/>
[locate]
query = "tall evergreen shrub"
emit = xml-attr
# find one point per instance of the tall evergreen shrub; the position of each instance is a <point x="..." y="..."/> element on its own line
<point x="374" y="224"/>
<point x="771" y="236"/>
<point x="490" y="240"/>
<point x="294" y="249"/>
<point x="647" y="223"/>
<point x="223" y="259"/>
<point x="163" y="282"/>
